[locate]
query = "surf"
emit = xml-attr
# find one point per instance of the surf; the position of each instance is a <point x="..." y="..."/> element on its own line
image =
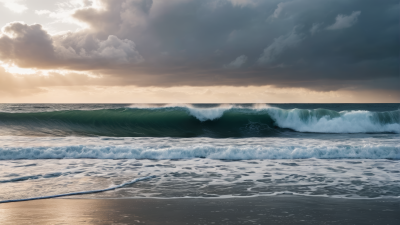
<point x="189" y="121"/>
<point x="158" y="149"/>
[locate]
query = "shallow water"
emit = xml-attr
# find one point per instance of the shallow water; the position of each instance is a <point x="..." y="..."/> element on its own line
<point x="201" y="178"/>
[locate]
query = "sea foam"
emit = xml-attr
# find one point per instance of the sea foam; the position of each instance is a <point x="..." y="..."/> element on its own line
<point x="321" y="151"/>
<point x="332" y="122"/>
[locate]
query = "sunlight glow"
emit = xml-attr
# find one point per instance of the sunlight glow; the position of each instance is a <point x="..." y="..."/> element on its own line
<point x="14" y="6"/>
<point x="65" y="10"/>
<point x="15" y="70"/>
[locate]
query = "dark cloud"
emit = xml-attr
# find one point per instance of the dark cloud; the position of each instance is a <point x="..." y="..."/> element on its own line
<point x="31" y="46"/>
<point x="26" y="45"/>
<point x="324" y="45"/>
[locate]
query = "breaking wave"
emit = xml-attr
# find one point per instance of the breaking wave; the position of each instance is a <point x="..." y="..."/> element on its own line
<point x="245" y="152"/>
<point x="189" y="121"/>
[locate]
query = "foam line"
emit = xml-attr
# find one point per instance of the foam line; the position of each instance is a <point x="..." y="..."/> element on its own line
<point x="230" y="151"/>
<point x="81" y="192"/>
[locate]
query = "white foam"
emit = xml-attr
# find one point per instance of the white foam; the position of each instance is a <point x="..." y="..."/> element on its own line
<point x="321" y="150"/>
<point x="204" y="114"/>
<point x="348" y="122"/>
<point x="366" y="178"/>
<point x="163" y="106"/>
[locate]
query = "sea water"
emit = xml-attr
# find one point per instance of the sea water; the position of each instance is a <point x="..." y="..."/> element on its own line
<point x="206" y="150"/>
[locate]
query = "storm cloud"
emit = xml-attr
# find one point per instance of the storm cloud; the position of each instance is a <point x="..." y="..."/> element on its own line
<point x="321" y="45"/>
<point x="31" y="46"/>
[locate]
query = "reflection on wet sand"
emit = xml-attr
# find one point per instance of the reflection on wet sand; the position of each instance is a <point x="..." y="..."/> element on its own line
<point x="253" y="210"/>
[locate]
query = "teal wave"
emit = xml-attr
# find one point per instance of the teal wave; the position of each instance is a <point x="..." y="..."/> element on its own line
<point x="196" y="122"/>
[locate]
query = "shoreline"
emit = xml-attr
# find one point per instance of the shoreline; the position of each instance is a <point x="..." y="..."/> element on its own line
<point x="283" y="209"/>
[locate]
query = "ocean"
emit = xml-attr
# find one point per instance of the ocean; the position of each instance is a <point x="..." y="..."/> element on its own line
<point x="199" y="150"/>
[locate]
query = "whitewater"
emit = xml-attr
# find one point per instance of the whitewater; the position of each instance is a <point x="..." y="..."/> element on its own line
<point x="199" y="150"/>
<point x="15" y="148"/>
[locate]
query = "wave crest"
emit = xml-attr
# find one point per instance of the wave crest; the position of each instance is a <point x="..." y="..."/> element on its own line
<point x="327" y="121"/>
<point x="190" y="121"/>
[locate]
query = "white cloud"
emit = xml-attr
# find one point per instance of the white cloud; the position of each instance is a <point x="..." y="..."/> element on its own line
<point x="279" y="9"/>
<point x="14" y="5"/>
<point x="63" y="13"/>
<point x="279" y="45"/>
<point x="42" y="12"/>
<point x="243" y="2"/>
<point x="237" y="63"/>
<point x="343" y="21"/>
<point x="315" y="28"/>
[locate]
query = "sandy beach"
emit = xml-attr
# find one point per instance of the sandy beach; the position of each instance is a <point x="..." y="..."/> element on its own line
<point x="251" y="210"/>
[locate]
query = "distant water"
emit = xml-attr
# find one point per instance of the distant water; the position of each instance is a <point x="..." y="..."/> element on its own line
<point x="207" y="150"/>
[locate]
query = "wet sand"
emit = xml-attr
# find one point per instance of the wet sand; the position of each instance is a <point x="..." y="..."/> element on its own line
<point x="253" y="210"/>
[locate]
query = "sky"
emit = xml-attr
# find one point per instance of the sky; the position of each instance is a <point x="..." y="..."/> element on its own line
<point x="199" y="51"/>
